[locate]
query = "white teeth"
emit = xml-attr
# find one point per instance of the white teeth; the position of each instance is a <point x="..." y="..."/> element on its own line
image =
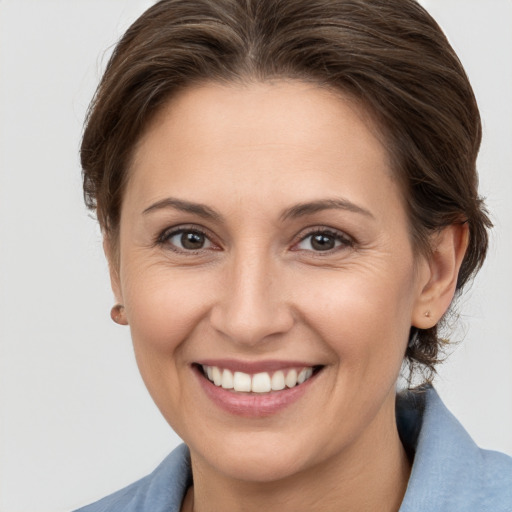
<point x="242" y="382"/>
<point x="291" y="378"/>
<point x="227" y="379"/>
<point x="278" y="381"/>
<point x="261" y="382"/>
<point x="304" y="375"/>
<point x="217" y="376"/>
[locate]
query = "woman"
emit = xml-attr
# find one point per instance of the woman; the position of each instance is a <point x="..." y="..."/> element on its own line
<point x="288" y="196"/>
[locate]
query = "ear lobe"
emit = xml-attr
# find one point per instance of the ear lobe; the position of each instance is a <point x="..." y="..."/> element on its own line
<point x="448" y="250"/>
<point x="113" y="268"/>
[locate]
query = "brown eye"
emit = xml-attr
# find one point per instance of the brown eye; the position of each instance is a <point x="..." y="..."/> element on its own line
<point x="323" y="241"/>
<point x="192" y="241"/>
<point x="187" y="240"/>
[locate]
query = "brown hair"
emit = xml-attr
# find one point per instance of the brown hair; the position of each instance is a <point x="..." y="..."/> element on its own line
<point x="389" y="54"/>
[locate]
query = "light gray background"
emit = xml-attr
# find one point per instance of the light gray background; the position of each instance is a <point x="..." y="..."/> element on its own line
<point x="75" y="420"/>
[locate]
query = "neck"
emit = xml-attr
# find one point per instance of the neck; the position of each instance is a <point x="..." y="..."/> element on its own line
<point x="371" y="474"/>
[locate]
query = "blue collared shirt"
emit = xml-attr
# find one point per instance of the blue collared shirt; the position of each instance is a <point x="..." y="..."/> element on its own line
<point x="449" y="473"/>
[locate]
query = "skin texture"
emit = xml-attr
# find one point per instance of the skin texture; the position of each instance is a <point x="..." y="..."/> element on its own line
<point x="258" y="290"/>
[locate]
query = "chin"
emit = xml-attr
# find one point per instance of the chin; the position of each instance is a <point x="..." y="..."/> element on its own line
<point x="259" y="457"/>
<point x="260" y="467"/>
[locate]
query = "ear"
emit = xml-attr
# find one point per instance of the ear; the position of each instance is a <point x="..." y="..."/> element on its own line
<point x="448" y="250"/>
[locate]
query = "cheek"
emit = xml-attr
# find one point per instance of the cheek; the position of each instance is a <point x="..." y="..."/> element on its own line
<point x="363" y="314"/>
<point x="164" y="307"/>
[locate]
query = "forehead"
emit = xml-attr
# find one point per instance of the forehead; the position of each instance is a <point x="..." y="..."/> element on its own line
<point x="293" y="135"/>
<point x="263" y="112"/>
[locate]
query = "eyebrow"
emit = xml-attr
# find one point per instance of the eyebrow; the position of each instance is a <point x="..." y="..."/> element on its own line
<point x="303" y="209"/>
<point x="299" y="210"/>
<point x="185" y="206"/>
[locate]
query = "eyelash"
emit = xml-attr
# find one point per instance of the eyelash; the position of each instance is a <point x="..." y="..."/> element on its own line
<point x="344" y="240"/>
<point x="165" y="237"/>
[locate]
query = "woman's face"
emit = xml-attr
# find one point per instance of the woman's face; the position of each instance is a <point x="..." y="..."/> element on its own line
<point x="262" y="234"/>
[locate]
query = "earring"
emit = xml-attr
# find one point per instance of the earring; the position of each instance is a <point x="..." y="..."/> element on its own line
<point x="413" y="337"/>
<point x="427" y="314"/>
<point x="117" y="314"/>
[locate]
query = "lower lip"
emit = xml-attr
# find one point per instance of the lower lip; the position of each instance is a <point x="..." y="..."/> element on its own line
<point x="252" y="405"/>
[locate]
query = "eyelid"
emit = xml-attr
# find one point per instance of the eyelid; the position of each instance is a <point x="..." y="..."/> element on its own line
<point x="346" y="240"/>
<point x="164" y="236"/>
<point x="167" y="233"/>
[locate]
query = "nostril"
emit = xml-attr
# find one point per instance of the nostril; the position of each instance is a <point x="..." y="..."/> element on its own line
<point x="246" y="325"/>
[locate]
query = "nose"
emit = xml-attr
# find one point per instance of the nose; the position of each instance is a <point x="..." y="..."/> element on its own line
<point x="253" y="307"/>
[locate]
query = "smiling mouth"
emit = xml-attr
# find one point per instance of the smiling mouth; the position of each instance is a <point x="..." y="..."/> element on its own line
<point x="262" y="382"/>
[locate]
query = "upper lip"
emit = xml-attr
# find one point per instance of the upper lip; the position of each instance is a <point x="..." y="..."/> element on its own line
<point x="253" y="367"/>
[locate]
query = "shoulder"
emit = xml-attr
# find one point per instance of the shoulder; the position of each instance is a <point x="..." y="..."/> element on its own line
<point x="496" y="474"/>
<point x="160" y="491"/>
<point x="450" y="472"/>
